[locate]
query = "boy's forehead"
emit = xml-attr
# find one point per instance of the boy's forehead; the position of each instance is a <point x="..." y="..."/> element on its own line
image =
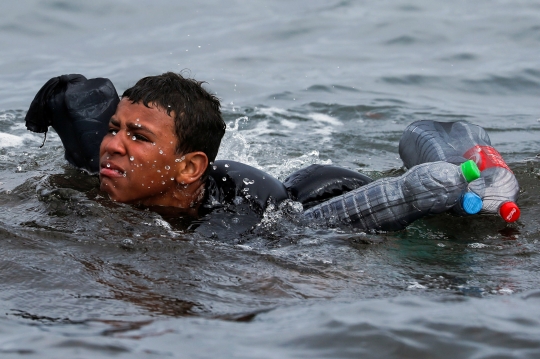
<point x="130" y="110"/>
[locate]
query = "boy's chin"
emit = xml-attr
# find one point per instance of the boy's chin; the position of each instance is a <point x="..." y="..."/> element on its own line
<point x="112" y="193"/>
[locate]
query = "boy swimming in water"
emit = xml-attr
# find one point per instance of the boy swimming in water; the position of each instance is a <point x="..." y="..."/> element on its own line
<point x="164" y="134"/>
<point x="156" y="148"/>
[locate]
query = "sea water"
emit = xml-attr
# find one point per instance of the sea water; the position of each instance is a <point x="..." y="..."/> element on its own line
<point x="330" y="82"/>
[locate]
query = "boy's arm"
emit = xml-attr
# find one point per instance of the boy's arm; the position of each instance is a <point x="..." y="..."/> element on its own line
<point x="79" y="110"/>
<point x="317" y="183"/>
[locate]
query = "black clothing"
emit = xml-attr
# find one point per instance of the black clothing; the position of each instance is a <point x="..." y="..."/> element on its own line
<point x="236" y="195"/>
<point x="79" y="110"/>
<point x="231" y="181"/>
<point x="317" y="183"/>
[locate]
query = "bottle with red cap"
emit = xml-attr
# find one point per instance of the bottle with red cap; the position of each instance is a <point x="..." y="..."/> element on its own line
<point x="455" y="142"/>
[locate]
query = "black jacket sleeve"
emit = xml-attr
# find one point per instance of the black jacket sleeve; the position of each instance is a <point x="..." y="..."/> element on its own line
<point x="79" y="111"/>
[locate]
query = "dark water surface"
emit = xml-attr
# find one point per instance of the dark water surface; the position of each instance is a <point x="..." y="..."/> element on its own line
<point x="301" y="83"/>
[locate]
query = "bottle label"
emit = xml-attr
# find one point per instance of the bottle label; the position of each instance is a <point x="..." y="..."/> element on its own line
<point x="486" y="157"/>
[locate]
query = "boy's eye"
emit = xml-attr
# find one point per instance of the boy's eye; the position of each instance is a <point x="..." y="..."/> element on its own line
<point x="139" y="137"/>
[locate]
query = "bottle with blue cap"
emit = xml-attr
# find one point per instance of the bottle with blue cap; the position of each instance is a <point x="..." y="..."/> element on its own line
<point x="455" y="142"/>
<point x="390" y="204"/>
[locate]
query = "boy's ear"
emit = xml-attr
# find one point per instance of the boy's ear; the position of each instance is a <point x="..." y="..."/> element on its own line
<point x="192" y="167"/>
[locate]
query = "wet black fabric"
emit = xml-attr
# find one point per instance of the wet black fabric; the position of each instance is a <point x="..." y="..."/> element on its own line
<point x="232" y="181"/>
<point x="236" y="195"/>
<point x="79" y="110"/>
<point x="317" y="183"/>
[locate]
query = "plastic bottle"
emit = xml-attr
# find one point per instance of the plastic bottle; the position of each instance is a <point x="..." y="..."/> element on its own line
<point x="391" y="204"/>
<point x="454" y="142"/>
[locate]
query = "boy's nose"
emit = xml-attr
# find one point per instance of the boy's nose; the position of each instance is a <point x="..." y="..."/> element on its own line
<point x="115" y="143"/>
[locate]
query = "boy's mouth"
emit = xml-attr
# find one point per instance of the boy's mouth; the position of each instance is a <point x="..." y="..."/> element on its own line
<point x="109" y="169"/>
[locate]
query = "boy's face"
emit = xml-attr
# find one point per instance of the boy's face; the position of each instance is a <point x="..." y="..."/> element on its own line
<point x="138" y="157"/>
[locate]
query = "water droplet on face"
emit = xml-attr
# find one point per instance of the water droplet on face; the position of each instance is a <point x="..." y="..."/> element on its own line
<point x="224" y="179"/>
<point x="167" y="167"/>
<point x="214" y="167"/>
<point x="131" y="158"/>
<point x="160" y="152"/>
<point x="226" y="165"/>
<point x="159" y="171"/>
<point x="153" y="143"/>
<point x="162" y="182"/>
<point x="108" y="165"/>
<point x="172" y="179"/>
<point x="177" y="160"/>
<point x="124" y="174"/>
<point x="129" y="133"/>
<point x="247" y="181"/>
<point x="133" y="138"/>
<point x="114" y="133"/>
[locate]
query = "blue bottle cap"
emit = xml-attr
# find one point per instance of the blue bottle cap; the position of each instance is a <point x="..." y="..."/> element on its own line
<point x="471" y="203"/>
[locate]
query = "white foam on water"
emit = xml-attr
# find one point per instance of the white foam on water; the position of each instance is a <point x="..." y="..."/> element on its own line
<point x="416" y="285"/>
<point x="7" y="116"/>
<point x="261" y="128"/>
<point x="477" y="245"/>
<point x="506" y="291"/>
<point x="325" y="133"/>
<point x="270" y="111"/>
<point x="234" y="145"/>
<point x="322" y="118"/>
<point x="18" y="126"/>
<point x="289" y="124"/>
<point x="162" y="223"/>
<point x="8" y="140"/>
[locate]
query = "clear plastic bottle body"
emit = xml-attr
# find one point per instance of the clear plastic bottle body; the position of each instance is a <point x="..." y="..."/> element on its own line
<point x="455" y="142"/>
<point x="390" y="204"/>
<point x="430" y="141"/>
<point x="498" y="189"/>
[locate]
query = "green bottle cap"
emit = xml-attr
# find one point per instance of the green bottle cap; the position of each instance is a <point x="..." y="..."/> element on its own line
<point x="470" y="170"/>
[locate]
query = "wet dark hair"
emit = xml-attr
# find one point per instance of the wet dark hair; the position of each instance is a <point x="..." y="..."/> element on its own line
<point x="197" y="114"/>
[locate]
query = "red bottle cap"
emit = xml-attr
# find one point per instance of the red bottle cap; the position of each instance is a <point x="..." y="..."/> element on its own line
<point x="509" y="211"/>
